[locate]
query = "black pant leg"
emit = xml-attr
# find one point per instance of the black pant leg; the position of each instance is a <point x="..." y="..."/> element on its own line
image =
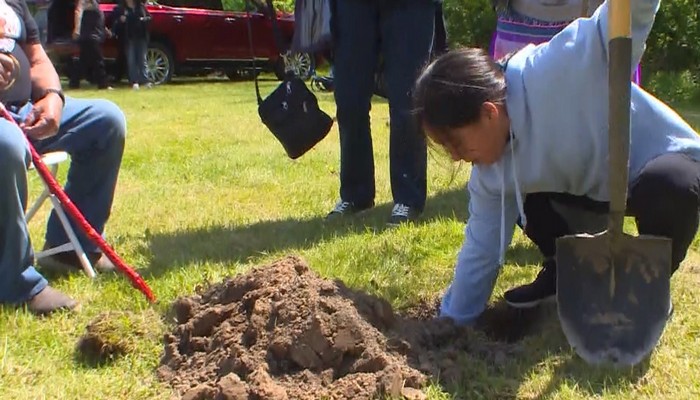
<point x="664" y="201"/>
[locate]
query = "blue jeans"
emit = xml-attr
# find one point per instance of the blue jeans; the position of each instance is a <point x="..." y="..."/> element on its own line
<point x="401" y="32"/>
<point x="42" y="22"/>
<point x="93" y="133"/>
<point x="136" y="60"/>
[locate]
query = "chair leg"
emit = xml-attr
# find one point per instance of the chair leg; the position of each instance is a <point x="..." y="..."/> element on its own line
<point x="74" y="244"/>
<point x="42" y="197"/>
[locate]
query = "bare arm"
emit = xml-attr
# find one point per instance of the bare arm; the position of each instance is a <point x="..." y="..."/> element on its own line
<point x="77" y="18"/>
<point x="45" y="117"/>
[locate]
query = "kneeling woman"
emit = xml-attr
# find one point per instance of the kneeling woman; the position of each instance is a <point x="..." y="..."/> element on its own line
<point x="535" y="130"/>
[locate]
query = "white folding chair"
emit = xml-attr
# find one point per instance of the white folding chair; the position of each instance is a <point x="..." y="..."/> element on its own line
<point x="52" y="161"/>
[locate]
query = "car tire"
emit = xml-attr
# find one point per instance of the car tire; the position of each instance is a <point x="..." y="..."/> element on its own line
<point x="298" y="63"/>
<point x="160" y="63"/>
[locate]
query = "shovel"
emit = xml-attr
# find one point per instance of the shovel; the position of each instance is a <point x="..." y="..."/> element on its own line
<point x="613" y="289"/>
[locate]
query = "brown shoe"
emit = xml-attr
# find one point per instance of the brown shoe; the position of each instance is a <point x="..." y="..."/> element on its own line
<point x="50" y="300"/>
<point x="68" y="261"/>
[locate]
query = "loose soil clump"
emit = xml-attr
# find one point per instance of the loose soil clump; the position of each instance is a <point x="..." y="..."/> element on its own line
<point x="282" y="332"/>
<point x="114" y="334"/>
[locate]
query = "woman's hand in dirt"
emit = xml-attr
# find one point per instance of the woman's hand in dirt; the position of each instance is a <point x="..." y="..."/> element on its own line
<point x="43" y="120"/>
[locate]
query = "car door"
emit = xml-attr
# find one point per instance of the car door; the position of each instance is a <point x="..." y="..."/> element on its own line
<point x="232" y="32"/>
<point x="234" y="36"/>
<point x="191" y="31"/>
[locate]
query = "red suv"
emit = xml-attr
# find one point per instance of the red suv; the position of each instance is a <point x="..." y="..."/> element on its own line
<point x="187" y="41"/>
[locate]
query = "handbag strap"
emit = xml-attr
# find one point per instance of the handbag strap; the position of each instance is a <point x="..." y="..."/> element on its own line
<point x="252" y="51"/>
<point x="277" y="33"/>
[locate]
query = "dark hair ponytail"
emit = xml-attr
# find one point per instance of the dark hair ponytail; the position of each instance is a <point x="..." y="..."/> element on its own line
<point x="450" y="91"/>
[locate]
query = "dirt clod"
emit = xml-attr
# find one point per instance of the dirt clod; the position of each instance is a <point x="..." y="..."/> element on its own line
<point x="282" y="332"/>
<point x="111" y="335"/>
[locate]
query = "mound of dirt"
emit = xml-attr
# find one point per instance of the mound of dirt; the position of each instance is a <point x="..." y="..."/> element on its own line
<point x="282" y="332"/>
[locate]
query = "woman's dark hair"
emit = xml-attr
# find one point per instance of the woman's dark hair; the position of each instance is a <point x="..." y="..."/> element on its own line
<point x="450" y="91"/>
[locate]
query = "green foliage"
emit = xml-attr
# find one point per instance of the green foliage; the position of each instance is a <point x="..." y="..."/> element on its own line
<point x="672" y="86"/>
<point x="674" y="43"/>
<point x="469" y="23"/>
<point x="238" y="5"/>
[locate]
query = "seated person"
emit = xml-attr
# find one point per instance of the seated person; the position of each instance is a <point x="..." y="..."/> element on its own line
<point x="91" y="131"/>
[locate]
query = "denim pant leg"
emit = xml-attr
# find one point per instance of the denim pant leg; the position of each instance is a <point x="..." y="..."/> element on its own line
<point x="93" y="132"/>
<point x="407" y="29"/>
<point x="19" y="281"/>
<point x="141" y="49"/>
<point x="356" y="38"/>
<point x="136" y="60"/>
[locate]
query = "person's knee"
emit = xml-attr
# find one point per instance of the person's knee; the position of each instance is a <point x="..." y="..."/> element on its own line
<point x="352" y="108"/>
<point x="111" y="120"/>
<point x="13" y="149"/>
<point x="671" y="179"/>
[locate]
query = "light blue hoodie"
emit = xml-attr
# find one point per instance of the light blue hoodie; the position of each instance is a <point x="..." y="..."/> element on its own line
<point x="557" y="100"/>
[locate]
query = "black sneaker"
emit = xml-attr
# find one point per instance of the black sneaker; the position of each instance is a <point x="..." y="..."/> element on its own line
<point x="543" y="288"/>
<point x="402" y="213"/>
<point x="344" y="208"/>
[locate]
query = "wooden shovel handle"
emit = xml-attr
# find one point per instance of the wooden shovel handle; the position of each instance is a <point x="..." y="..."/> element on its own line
<point x="619" y="70"/>
<point x="620" y="19"/>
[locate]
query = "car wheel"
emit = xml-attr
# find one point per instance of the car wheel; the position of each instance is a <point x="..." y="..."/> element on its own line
<point x="298" y="63"/>
<point x="159" y="63"/>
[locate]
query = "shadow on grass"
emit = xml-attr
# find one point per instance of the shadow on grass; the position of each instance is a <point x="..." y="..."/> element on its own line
<point x="540" y="345"/>
<point x="241" y="243"/>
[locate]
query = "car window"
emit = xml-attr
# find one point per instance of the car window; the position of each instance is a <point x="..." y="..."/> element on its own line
<point x="204" y="4"/>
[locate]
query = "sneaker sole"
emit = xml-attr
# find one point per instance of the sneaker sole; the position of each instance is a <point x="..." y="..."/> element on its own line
<point x="534" y="303"/>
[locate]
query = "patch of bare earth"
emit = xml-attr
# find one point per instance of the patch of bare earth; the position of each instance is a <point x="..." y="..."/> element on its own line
<point x="282" y="332"/>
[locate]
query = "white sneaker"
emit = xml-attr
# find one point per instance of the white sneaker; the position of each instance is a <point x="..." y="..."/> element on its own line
<point x="135" y="86"/>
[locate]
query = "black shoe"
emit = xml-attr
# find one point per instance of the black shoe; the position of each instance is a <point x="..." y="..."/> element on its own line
<point x="543" y="288"/>
<point x="402" y="213"/>
<point x="66" y="262"/>
<point x="344" y="208"/>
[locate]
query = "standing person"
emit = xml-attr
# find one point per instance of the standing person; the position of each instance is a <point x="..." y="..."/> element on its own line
<point x="535" y="129"/>
<point x="135" y="19"/>
<point x="121" y="65"/>
<point x="402" y="33"/>
<point x="90" y="32"/>
<point x="523" y="22"/>
<point x="41" y="16"/>
<point x="92" y="131"/>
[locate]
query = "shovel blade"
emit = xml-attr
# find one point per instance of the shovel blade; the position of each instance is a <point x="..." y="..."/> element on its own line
<point x="614" y="298"/>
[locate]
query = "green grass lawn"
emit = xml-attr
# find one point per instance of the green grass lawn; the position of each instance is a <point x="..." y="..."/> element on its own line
<point x="205" y="192"/>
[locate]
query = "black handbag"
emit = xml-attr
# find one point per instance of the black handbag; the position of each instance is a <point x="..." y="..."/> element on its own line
<point x="291" y="112"/>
